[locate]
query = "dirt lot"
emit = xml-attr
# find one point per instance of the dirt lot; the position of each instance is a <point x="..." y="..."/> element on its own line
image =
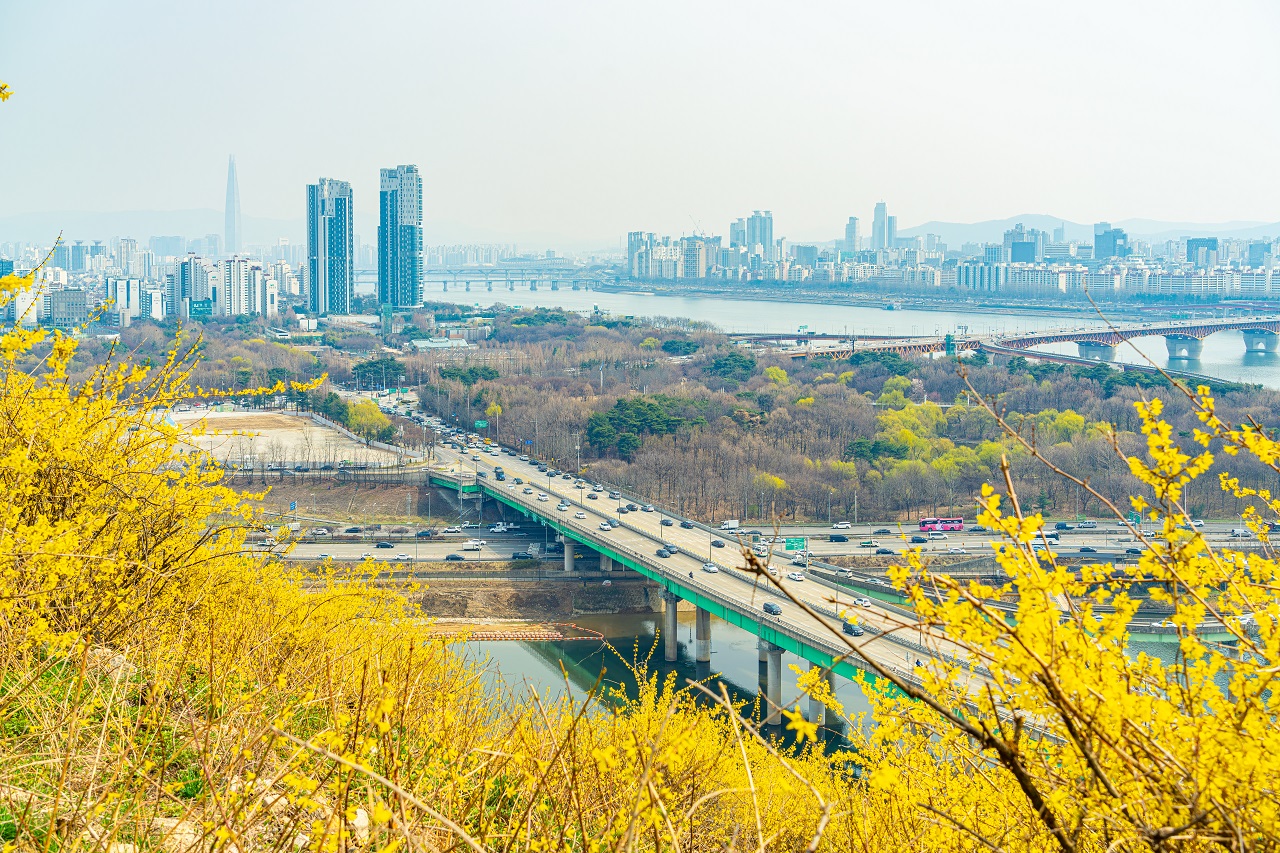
<point x="275" y="438"/>
<point x="359" y="504"/>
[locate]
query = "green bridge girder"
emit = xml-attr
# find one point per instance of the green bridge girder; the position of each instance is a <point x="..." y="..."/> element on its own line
<point x="741" y="617"/>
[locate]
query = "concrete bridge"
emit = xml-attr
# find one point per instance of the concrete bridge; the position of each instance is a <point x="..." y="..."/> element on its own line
<point x="1184" y="339"/>
<point x="729" y="592"/>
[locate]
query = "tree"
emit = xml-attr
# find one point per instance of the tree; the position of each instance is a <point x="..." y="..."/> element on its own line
<point x="379" y="373"/>
<point x="776" y="375"/>
<point x="649" y="343"/>
<point x="494" y="411"/>
<point x="366" y="420"/>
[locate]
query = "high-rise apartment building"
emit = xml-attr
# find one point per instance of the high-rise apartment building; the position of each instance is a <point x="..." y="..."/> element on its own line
<point x="890" y="232"/>
<point x="400" y="237"/>
<point x="330" y="247"/>
<point x="760" y="233"/>
<point x="878" y="226"/>
<point x="851" y="235"/>
<point x="1202" y="251"/>
<point x="233" y="232"/>
<point x="738" y="233"/>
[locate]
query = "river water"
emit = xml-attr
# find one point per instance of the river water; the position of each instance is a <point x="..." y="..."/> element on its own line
<point x="1224" y="354"/>
<point x="518" y="667"/>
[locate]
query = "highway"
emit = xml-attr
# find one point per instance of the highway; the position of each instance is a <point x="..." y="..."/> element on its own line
<point x="496" y="547"/>
<point x="644" y="533"/>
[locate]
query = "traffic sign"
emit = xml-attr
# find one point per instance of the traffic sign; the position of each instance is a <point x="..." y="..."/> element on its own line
<point x="293" y="505"/>
<point x="795" y="543"/>
<point x="482" y="424"/>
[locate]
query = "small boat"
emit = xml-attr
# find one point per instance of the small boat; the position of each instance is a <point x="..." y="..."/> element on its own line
<point x="892" y="306"/>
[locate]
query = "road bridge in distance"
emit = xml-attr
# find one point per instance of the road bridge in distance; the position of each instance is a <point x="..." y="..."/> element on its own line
<point x="1184" y="339"/>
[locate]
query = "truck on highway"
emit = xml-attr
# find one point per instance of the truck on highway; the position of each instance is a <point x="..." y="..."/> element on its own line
<point x="729" y="524"/>
<point x="473" y="545"/>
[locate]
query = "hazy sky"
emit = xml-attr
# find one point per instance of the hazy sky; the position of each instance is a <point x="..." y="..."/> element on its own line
<point x="582" y="120"/>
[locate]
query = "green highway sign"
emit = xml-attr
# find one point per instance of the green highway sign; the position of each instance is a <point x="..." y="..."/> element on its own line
<point x="482" y="424"/>
<point x="795" y="543"/>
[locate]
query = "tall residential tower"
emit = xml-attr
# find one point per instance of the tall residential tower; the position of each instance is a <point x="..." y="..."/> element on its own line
<point x="400" y="237"/>
<point x="330" y="247"/>
<point x="233" y="232"/>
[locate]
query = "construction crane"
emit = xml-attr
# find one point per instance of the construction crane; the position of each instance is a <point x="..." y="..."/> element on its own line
<point x="697" y="229"/>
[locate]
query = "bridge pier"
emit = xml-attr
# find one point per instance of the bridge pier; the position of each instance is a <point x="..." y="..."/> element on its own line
<point x="606" y="563"/>
<point x="1183" y="346"/>
<point x="702" y="631"/>
<point x="817" y="710"/>
<point x="1095" y="351"/>
<point x="773" y="686"/>
<point x="761" y="645"/>
<point x="568" y="555"/>
<point x="671" y="648"/>
<point x="1260" y="340"/>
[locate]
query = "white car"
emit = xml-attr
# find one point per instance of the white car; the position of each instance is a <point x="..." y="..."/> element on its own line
<point x="542" y="496"/>
<point x="604" y="525"/>
<point x="579" y="514"/>
<point x="452" y="530"/>
<point x="366" y="556"/>
<point x="794" y="576"/>
<point x="403" y="557"/>
<point x="710" y="568"/>
<point x="862" y="602"/>
<point x="841" y="525"/>
<point x="937" y="534"/>
<point x="956" y="550"/>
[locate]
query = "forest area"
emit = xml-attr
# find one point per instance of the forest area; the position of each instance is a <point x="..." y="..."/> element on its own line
<point x="713" y="430"/>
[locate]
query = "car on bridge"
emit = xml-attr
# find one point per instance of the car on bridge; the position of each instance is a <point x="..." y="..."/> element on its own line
<point x="771" y="608"/>
<point x="716" y="543"/>
<point x="528" y="490"/>
<point x="794" y="576"/>
<point x="687" y="525"/>
<point x="710" y="568"/>
<point x="604" y="525"/>
<point x="672" y="547"/>
<point x="645" y="508"/>
<point x="579" y="514"/>
<point x="862" y="602"/>
<point x="622" y="510"/>
<point x="663" y="553"/>
<point x="853" y="629"/>
<point x="542" y="496"/>
<point x="591" y="496"/>
<point x="666" y="522"/>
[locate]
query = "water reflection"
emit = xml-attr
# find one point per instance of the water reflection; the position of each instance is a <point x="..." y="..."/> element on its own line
<point x="543" y="667"/>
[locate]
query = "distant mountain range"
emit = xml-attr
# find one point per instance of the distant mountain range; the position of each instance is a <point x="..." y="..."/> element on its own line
<point x="955" y="234"/>
<point x="83" y="225"/>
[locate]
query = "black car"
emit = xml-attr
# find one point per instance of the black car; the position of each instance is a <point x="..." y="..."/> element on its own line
<point x="882" y="531"/>
<point x="1087" y="550"/>
<point x="672" y="548"/>
<point x="716" y="543"/>
<point x="663" y="553"/>
<point x="384" y="545"/>
<point x="977" y="528"/>
<point x="853" y="629"/>
<point x="566" y="476"/>
<point x="424" y="534"/>
<point x="454" y="558"/>
<point x="771" y="608"/>
<point x="518" y="481"/>
<point x="753" y="533"/>
<point x="632" y="508"/>
<point x="622" y="510"/>
<point x="687" y="525"/>
<point x="919" y="540"/>
<point x="521" y="555"/>
<point x="352" y="530"/>
<point x="838" y="537"/>
<point x="591" y="496"/>
<point x="1133" y="550"/>
<point x="666" y="522"/>
<point x="885" y="551"/>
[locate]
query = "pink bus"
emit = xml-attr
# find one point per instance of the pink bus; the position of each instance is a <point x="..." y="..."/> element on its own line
<point x="927" y="524"/>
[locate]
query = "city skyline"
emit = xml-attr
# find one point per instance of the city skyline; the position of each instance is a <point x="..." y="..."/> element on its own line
<point x="500" y="165"/>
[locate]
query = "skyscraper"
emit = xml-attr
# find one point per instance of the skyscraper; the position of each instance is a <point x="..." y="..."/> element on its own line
<point x="760" y="233"/>
<point x="879" y="227"/>
<point x="400" y="237"/>
<point x="890" y="231"/>
<point x="330" y="247"/>
<point x="233" y="233"/>
<point x="851" y="234"/>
